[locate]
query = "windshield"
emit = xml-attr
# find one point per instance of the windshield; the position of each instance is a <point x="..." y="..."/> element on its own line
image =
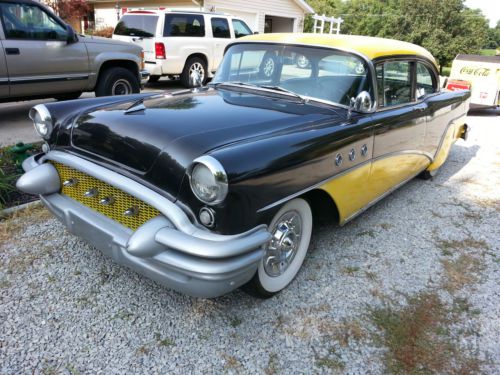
<point x="312" y="72"/>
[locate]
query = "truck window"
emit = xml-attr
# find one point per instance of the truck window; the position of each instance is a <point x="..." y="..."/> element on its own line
<point x="137" y="25"/>
<point x="29" y="22"/>
<point x="220" y="28"/>
<point x="190" y="25"/>
<point x="241" y="28"/>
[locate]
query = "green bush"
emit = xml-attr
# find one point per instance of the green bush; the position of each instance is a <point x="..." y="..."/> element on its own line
<point x="5" y="187"/>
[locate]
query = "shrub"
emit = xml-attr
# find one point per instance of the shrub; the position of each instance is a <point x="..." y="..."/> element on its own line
<point x="106" y="32"/>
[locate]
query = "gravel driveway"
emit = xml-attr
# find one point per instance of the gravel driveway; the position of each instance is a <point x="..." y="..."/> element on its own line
<point x="429" y="254"/>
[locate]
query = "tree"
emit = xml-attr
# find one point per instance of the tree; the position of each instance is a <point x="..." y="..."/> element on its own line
<point x="70" y="10"/>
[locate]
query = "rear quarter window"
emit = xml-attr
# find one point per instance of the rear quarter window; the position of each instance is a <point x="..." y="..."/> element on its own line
<point x="187" y="25"/>
<point x="137" y="25"/>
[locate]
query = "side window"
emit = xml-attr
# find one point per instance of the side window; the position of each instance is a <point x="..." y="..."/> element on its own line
<point x="29" y="22"/>
<point x="394" y="83"/>
<point x="425" y="83"/>
<point x="241" y="28"/>
<point x="190" y="25"/>
<point x="220" y="28"/>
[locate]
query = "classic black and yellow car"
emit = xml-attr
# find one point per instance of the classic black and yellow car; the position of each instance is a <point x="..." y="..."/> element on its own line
<point x="218" y="187"/>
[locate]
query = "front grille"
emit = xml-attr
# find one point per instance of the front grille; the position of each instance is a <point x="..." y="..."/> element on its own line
<point x="119" y="201"/>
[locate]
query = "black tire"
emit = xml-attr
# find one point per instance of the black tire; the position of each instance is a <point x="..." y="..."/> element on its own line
<point x="194" y="63"/>
<point x="68" y="96"/>
<point x="283" y="258"/>
<point x="153" y="79"/>
<point x="117" y="81"/>
<point x="427" y="175"/>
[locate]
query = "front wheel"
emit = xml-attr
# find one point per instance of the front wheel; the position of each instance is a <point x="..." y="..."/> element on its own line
<point x="427" y="175"/>
<point x="291" y="231"/>
<point x="117" y="81"/>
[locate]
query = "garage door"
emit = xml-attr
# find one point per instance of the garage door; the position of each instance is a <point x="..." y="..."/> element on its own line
<point x="249" y="18"/>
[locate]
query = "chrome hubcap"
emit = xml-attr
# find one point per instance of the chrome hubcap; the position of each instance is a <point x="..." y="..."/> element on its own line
<point x="198" y="68"/>
<point x="121" y="87"/>
<point x="284" y="244"/>
<point x="268" y="67"/>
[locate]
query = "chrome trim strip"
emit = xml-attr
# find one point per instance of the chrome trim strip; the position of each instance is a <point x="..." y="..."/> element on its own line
<point x="47" y="78"/>
<point x="340" y="174"/>
<point x="379" y="198"/>
<point x="173" y="212"/>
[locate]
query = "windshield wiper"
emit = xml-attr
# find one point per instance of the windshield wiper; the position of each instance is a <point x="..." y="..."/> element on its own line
<point x="282" y="89"/>
<point x="233" y="83"/>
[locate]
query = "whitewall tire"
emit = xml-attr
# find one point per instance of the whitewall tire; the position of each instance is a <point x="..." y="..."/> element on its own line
<point x="291" y="228"/>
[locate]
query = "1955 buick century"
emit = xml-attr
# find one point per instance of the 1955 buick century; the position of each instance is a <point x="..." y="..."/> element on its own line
<point x="214" y="188"/>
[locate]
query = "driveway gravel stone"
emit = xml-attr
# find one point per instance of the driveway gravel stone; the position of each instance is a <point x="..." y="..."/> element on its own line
<point x="65" y="308"/>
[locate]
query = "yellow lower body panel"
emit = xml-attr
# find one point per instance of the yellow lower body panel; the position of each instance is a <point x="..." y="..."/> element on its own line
<point x="121" y="201"/>
<point x="357" y="189"/>
<point x="450" y="137"/>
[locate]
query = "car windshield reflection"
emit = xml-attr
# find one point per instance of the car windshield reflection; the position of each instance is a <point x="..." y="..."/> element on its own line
<point x="304" y="72"/>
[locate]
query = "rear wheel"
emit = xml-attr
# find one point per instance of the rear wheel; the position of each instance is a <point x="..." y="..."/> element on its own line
<point x="194" y="64"/>
<point x="291" y="229"/>
<point x="427" y="175"/>
<point x="117" y="81"/>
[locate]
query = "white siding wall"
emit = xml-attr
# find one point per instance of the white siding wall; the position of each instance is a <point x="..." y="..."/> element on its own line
<point x="255" y="10"/>
<point x="280" y="8"/>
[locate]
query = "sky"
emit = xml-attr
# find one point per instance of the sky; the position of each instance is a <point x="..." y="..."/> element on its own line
<point x="490" y="9"/>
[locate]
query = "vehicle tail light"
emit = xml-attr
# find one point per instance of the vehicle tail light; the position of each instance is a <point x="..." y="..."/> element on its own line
<point x="143" y="63"/>
<point x="160" y="50"/>
<point x="458" y="84"/>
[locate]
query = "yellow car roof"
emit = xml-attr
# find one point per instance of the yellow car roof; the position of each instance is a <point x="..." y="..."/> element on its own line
<point x="371" y="47"/>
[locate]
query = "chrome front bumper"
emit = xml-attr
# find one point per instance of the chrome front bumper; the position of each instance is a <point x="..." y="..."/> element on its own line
<point x="168" y="248"/>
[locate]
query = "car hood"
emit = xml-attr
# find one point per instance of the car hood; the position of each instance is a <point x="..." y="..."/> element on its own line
<point x="158" y="138"/>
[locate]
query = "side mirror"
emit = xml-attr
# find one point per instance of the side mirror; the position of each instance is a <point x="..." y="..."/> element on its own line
<point x="362" y="103"/>
<point x="71" y="35"/>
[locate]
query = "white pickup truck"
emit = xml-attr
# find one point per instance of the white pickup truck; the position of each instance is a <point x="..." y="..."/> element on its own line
<point x="178" y="43"/>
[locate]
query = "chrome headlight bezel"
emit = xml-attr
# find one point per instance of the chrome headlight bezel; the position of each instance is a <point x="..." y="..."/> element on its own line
<point x="42" y="121"/>
<point x="219" y="175"/>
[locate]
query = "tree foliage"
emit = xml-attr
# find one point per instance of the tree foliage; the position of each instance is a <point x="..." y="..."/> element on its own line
<point x="445" y="28"/>
<point x="70" y="10"/>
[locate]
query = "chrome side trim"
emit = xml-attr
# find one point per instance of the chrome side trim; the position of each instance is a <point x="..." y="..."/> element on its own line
<point x="48" y="78"/>
<point x="340" y="174"/>
<point x="170" y="210"/>
<point x="380" y="197"/>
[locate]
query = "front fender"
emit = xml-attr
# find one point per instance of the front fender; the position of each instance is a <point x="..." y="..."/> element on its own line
<point x="102" y="57"/>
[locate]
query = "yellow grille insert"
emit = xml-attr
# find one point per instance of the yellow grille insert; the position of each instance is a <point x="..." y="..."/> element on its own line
<point x="116" y="210"/>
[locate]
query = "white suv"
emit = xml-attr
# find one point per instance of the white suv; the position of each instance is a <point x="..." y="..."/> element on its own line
<point x="178" y="43"/>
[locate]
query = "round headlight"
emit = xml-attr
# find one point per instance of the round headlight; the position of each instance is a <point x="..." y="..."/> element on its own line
<point x="208" y="180"/>
<point x="42" y="120"/>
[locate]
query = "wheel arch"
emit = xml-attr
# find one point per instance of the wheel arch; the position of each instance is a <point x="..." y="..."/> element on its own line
<point x="119" y="63"/>
<point x="200" y="55"/>
<point x="322" y="205"/>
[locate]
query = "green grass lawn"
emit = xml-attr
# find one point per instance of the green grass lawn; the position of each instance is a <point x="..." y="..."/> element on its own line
<point x="487" y="52"/>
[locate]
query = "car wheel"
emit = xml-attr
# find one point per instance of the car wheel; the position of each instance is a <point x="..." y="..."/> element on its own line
<point x="427" y="175"/>
<point x="291" y="229"/>
<point x="153" y="79"/>
<point x="117" y="81"/>
<point x="302" y="62"/>
<point x="68" y="96"/>
<point x="194" y="64"/>
<point x="268" y="67"/>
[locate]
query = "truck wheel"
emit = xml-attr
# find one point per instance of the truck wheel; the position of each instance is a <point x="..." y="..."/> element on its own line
<point x="117" y="81"/>
<point x="427" y="175"/>
<point x="68" y="96"/>
<point x="192" y="65"/>
<point x="291" y="229"/>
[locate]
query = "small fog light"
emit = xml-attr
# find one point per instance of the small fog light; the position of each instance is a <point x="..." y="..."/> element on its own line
<point x="207" y="217"/>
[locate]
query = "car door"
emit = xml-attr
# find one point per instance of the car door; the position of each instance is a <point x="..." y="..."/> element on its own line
<point x="39" y="58"/>
<point x="399" y="130"/>
<point x="4" y="74"/>
<point x="221" y="35"/>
